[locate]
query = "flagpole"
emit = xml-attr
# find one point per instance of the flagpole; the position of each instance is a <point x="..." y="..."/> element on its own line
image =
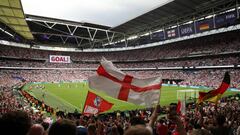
<point x="185" y="102"/>
<point x="157" y="109"/>
<point x="185" y="97"/>
<point x="160" y="93"/>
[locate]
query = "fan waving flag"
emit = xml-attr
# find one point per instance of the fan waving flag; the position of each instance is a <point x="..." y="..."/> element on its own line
<point x="215" y="95"/>
<point x="95" y="104"/>
<point x="120" y="85"/>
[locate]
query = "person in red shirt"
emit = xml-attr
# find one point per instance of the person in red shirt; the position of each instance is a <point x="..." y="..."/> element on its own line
<point x="162" y="129"/>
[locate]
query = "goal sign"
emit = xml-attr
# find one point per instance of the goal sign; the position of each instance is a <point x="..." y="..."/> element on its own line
<point x="59" y="59"/>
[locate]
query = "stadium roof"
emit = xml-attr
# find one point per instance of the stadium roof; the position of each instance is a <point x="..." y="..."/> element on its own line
<point x="65" y="33"/>
<point x="53" y="31"/>
<point x="11" y="14"/>
<point x="174" y="12"/>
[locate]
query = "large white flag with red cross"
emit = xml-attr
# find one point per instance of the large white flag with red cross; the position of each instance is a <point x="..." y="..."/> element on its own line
<point x="120" y="85"/>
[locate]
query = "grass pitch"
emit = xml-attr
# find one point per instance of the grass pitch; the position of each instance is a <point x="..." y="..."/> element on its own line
<point x="71" y="96"/>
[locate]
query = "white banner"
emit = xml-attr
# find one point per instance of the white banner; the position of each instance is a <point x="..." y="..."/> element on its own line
<point x="59" y="59"/>
<point x="117" y="84"/>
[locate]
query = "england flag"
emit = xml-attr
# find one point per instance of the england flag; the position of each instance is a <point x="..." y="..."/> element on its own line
<point x="120" y="85"/>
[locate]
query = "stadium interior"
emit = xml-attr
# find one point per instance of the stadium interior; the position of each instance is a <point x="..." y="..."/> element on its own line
<point x="189" y="44"/>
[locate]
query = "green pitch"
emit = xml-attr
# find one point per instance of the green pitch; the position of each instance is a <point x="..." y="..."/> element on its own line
<point x="71" y="96"/>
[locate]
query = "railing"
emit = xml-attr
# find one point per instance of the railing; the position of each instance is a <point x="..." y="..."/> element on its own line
<point x="126" y="69"/>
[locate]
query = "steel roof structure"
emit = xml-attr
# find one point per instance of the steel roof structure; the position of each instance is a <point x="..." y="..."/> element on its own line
<point x="175" y="12"/>
<point x="65" y="33"/>
<point x="51" y="31"/>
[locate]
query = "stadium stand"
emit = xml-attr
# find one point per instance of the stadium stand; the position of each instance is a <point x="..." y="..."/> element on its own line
<point x="209" y="51"/>
<point x="212" y="51"/>
<point x="194" y="62"/>
<point x="195" y="120"/>
<point x="211" y="45"/>
<point x="209" y="118"/>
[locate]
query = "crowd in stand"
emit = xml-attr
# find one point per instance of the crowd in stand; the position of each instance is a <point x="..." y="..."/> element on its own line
<point x="216" y="61"/>
<point x="215" y="44"/>
<point x="18" y="118"/>
<point x="209" y="78"/>
<point x="12" y="100"/>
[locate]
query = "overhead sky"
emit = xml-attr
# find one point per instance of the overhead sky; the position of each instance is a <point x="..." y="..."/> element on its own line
<point x="105" y="12"/>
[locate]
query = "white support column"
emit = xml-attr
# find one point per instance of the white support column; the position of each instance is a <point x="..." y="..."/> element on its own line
<point x="95" y="32"/>
<point x="150" y="34"/>
<point x="112" y="37"/>
<point x="78" y="43"/>
<point x="91" y="43"/>
<point x="214" y="20"/>
<point x="126" y="41"/>
<point x="164" y="34"/>
<point x="194" y="25"/>
<point x="178" y="28"/>
<point x="237" y="8"/>
<point x="90" y="34"/>
<point x="108" y="37"/>
<point x="64" y="41"/>
<point x="49" y="26"/>
<point x="70" y="31"/>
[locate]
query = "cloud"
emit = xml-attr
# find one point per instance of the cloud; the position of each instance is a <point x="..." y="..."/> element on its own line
<point x="105" y="12"/>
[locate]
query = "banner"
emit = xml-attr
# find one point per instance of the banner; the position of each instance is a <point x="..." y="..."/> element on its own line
<point x="159" y="36"/>
<point x="59" y="59"/>
<point x="187" y="29"/>
<point x="117" y="84"/>
<point x="226" y="19"/>
<point x="94" y="104"/>
<point x="204" y="25"/>
<point x="171" y="33"/>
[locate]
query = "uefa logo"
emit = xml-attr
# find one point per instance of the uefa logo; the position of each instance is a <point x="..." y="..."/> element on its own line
<point x="97" y="101"/>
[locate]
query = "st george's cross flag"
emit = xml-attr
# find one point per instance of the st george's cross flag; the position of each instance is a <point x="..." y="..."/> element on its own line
<point x="181" y="107"/>
<point x="120" y="85"/>
<point x="94" y="104"/>
<point x="215" y="95"/>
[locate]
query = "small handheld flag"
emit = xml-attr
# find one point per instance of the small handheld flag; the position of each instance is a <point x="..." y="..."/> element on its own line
<point x="94" y="104"/>
<point x="181" y="107"/>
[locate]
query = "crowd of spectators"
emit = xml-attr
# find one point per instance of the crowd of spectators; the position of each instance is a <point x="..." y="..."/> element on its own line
<point x="215" y="44"/>
<point x="11" y="100"/>
<point x="215" y="61"/>
<point x="208" y="118"/>
<point x="206" y="77"/>
<point x="17" y="118"/>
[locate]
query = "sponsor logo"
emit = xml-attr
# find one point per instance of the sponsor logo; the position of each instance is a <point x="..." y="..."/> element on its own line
<point x="186" y="30"/>
<point x="230" y="16"/>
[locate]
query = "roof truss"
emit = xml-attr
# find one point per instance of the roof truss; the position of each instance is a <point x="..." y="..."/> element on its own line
<point x="69" y="32"/>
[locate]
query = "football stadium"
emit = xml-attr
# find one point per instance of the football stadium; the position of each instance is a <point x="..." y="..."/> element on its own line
<point x="136" y="67"/>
